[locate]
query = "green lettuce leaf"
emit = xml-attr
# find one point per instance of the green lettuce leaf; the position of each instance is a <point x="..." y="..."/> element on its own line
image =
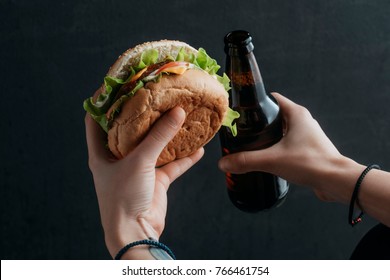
<point x="225" y="81"/>
<point x="229" y="120"/>
<point x="98" y="109"/>
<point x="148" y="57"/>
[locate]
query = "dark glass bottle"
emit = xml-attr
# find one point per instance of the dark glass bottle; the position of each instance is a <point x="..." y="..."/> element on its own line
<point x="259" y="126"/>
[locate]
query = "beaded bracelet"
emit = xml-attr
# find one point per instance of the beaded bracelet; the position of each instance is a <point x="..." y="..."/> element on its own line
<point x="150" y="242"/>
<point x="354" y="221"/>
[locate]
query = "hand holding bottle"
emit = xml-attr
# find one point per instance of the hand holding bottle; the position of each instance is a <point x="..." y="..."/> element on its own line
<point x="305" y="155"/>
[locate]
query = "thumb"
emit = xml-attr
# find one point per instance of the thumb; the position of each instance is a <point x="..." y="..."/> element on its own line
<point x="162" y="133"/>
<point x="247" y="161"/>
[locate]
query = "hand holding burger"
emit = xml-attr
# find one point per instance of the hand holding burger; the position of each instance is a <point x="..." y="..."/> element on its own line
<point x="159" y="104"/>
<point x="132" y="192"/>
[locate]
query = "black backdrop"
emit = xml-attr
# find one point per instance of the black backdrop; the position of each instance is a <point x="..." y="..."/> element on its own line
<point x="330" y="56"/>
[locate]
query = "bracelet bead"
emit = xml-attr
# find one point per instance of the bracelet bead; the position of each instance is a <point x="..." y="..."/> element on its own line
<point x="354" y="199"/>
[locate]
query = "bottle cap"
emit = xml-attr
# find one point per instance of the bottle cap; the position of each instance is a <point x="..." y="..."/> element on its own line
<point x="238" y="42"/>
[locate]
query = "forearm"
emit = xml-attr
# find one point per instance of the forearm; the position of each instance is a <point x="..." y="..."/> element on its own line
<point x="374" y="195"/>
<point x="339" y="180"/>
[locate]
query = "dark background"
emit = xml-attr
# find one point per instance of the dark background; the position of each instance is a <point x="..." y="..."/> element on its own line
<point x="330" y="56"/>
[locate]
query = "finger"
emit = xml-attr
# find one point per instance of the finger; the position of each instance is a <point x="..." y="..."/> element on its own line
<point x="285" y="104"/>
<point x="289" y="108"/>
<point x="243" y="162"/>
<point x="175" y="169"/>
<point x="161" y="133"/>
<point x="96" y="140"/>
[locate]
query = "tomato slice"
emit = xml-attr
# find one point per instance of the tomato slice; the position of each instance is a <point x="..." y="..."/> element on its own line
<point x="176" y="67"/>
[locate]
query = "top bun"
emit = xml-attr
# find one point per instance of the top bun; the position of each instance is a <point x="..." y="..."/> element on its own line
<point x="203" y="98"/>
<point x="132" y="56"/>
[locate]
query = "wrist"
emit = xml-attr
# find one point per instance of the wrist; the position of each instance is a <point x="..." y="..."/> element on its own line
<point x="338" y="179"/>
<point x="127" y="231"/>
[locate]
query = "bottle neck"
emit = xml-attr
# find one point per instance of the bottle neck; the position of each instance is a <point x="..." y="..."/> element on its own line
<point x="246" y="81"/>
<point x="248" y="91"/>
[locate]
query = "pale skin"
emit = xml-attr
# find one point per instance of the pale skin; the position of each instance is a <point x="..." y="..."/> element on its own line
<point x="132" y="192"/>
<point x="305" y="156"/>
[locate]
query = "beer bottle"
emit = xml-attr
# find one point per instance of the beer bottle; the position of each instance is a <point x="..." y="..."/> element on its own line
<point x="259" y="126"/>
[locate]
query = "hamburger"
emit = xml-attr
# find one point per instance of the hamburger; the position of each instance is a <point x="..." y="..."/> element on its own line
<point x="150" y="79"/>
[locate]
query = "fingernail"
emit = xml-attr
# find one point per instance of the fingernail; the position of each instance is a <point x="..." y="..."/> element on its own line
<point x="222" y="164"/>
<point x="182" y="113"/>
<point x="177" y="116"/>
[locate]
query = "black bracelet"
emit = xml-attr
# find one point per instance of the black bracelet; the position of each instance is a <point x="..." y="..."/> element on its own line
<point x="150" y="242"/>
<point x="354" y="221"/>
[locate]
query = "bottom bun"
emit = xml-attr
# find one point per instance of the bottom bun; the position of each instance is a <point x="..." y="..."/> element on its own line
<point x="203" y="98"/>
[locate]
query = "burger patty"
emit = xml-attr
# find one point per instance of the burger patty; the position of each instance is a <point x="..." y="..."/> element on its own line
<point x="129" y="86"/>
